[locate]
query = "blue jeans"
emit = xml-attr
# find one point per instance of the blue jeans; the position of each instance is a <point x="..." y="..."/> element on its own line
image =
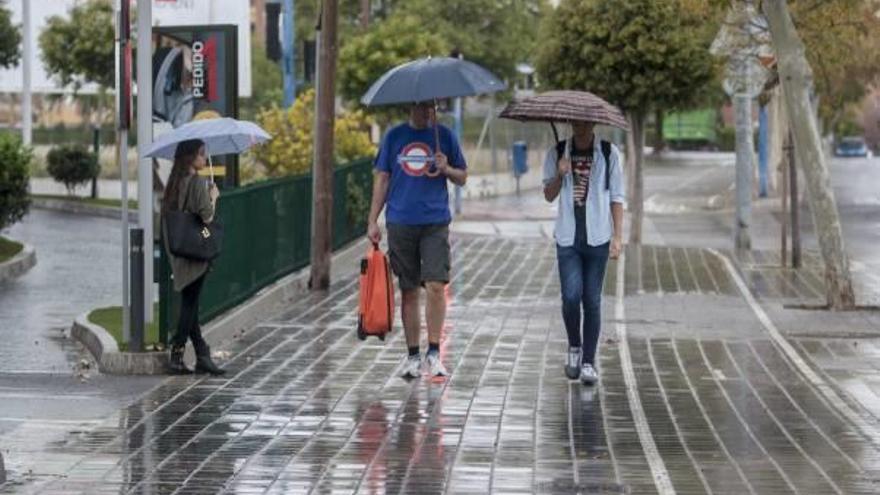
<point x="582" y="274"/>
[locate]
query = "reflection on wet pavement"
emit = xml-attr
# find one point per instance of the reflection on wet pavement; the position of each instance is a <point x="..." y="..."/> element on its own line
<point x="307" y="408"/>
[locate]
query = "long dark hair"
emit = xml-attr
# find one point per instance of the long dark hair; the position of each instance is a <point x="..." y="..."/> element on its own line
<point x="184" y="156"/>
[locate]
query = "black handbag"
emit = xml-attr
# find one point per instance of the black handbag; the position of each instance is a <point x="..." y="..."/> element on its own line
<point x="191" y="238"/>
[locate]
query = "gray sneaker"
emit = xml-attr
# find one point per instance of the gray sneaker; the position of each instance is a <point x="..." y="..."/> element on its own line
<point x="573" y="363"/>
<point x="589" y="375"/>
<point x="435" y="366"/>
<point x="412" y="367"/>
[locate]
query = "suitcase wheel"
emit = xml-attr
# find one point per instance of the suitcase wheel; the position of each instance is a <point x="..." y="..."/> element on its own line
<point x="382" y="337"/>
<point x="360" y="329"/>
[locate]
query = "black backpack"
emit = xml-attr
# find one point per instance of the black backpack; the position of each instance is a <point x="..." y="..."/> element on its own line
<point x="606" y="153"/>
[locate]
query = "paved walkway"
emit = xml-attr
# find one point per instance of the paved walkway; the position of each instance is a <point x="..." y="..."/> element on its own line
<point x="698" y="395"/>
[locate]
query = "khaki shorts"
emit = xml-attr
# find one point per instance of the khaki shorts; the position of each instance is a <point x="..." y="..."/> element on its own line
<point x="419" y="254"/>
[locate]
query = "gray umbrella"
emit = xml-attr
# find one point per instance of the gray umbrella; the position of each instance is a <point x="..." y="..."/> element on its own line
<point x="430" y="79"/>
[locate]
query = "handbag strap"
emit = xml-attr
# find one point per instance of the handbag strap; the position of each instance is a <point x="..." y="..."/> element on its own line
<point x="186" y="196"/>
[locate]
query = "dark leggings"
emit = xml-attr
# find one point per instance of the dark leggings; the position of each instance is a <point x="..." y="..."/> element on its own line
<point x="188" y="325"/>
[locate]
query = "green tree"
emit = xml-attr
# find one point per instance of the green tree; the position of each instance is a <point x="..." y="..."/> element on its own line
<point x="10" y="39"/>
<point x="637" y="54"/>
<point x="79" y="49"/>
<point x="496" y="34"/>
<point x="268" y="86"/>
<point x="15" y="159"/>
<point x="367" y="56"/>
<point x="843" y="49"/>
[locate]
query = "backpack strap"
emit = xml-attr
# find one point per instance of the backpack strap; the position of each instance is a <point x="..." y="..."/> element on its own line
<point x="606" y="153"/>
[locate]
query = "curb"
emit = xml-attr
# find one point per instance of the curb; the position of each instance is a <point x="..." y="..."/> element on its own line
<point x="19" y="264"/>
<point x="106" y="352"/>
<point x="268" y="301"/>
<point x="78" y="208"/>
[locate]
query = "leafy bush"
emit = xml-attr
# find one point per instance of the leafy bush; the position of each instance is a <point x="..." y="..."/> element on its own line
<point x="15" y="159"/>
<point x="290" y="150"/>
<point x="72" y="165"/>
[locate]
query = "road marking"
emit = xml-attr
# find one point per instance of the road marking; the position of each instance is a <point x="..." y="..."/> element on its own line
<point x="812" y="377"/>
<point x="655" y="461"/>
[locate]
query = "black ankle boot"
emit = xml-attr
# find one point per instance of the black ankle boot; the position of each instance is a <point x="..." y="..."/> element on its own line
<point x="204" y="363"/>
<point x="176" y="366"/>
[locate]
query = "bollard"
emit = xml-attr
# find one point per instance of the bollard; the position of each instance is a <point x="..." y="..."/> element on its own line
<point x="96" y="147"/>
<point x="520" y="161"/>
<point x="137" y="290"/>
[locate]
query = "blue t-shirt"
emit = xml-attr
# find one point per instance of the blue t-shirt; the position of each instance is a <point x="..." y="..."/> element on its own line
<point x="414" y="198"/>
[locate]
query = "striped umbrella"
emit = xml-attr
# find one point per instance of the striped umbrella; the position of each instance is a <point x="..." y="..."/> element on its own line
<point x="565" y="106"/>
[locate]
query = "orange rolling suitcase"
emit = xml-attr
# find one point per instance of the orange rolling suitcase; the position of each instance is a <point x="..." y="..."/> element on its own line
<point x="376" y="312"/>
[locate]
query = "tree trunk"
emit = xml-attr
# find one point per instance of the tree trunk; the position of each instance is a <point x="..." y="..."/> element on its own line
<point x="795" y="76"/>
<point x="636" y="202"/>
<point x="659" y="143"/>
<point x="322" y="209"/>
<point x="365" y="14"/>
<point x="630" y="163"/>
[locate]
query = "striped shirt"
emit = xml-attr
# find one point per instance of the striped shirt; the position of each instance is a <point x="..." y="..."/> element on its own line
<point x="581" y="166"/>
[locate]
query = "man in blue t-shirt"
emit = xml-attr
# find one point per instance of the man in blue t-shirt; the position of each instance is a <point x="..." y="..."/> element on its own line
<point x="410" y="179"/>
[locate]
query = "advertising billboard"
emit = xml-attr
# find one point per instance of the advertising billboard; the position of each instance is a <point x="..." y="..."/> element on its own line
<point x="195" y="72"/>
<point x="165" y="13"/>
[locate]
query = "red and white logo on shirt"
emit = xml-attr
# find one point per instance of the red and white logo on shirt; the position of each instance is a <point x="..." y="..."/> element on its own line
<point x="415" y="159"/>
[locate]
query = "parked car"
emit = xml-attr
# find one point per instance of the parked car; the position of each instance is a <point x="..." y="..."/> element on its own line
<point x="852" y="147"/>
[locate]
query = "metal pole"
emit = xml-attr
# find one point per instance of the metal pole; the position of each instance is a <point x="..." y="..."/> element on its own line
<point x="137" y="300"/>
<point x="289" y="54"/>
<point x="122" y="146"/>
<point x="743" y="106"/>
<point x="96" y="147"/>
<point x="784" y="223"/>
<point x="763" y="143"/>
<point x="492" y="138"/>
<point x="27" y="53"/>
<point x="144" y="139"/>
<point x="795" y="213"/>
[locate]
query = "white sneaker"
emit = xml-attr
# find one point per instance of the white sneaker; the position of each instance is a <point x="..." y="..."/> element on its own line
<point x="434" y="365"/>
<point x="589" y="375"/>
<point x="573" y="363"/>
<point x="412" y="367"/>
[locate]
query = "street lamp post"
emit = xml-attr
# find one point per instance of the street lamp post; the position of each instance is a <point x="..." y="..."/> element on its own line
<point x="289" y="53"/>
<point x="742" y="40"/>
<point x="144" y="139"/>
<point x="27" y="53"/>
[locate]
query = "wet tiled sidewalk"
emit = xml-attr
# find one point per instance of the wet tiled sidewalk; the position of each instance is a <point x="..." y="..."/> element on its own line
<point x="696" y="399"/>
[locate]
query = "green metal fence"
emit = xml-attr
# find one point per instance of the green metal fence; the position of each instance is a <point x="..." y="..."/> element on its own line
<point x="267" y="229"/>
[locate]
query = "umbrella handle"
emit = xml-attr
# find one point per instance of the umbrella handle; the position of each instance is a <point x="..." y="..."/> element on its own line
<point x="210" y="162"/>
<point x="436" y="144"/>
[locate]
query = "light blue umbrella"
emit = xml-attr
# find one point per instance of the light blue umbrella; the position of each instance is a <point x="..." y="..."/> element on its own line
<point x="429" y="79"/>
<point x="223" y="136"/>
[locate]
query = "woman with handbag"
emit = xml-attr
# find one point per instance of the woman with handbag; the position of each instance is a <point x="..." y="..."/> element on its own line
<point x="188" y="193"/>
